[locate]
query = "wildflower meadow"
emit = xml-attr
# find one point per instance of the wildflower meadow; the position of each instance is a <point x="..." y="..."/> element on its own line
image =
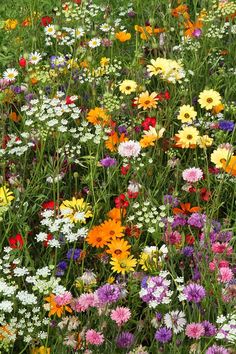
<point x="118" y="176"/>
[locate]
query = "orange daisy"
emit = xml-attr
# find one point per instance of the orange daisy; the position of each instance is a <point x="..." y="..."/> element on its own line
<point x="113" y="228"/>
<point x="97" y="237"/>
<point x="98" y="116"/>
<point x="146" y="100"/>
<point x="118" y="248"/>
<point x="114" y="140"/>
<point x="116" y="214"/>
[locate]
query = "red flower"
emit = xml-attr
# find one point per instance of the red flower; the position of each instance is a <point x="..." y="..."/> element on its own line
<point x="45" y="21"/>
<point x="132" y="195"/>
<point x="48" y="205"/>
<point x="133" y="231"/>
<point x="22" y="62"/>
<point x="69" y="100"/>
<point x="16" y="241"/>
<point x="125" y="169"/>
<point x="149" y="122"/>
<point x="49" y="237"/>
<point x="78" y="2"/>
<point x="190" y="239"/>
<point x="121" y="201"/>
<point x="205" y="194"/>
<point x="163" y="96"/>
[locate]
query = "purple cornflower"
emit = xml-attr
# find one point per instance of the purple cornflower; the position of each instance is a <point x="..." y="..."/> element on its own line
<point x="108" y="161"/>
<point x="216" y="349"/>
<point x="163" y="335"/>
<point x="125" y="340"/>
<point x="108" y="293"/>
<point x="155" y="291"/>
<point x="197" y="220"/>
<point x="178" y="221"/>
<point x="210" y="329"/>
<point x="226" y="125"/>
<point x="122" y="129"/>
<point x="194" y="292"/>
<point x="169" y="199"/>
<point x="187" y="251"/>
<point x="196" y="275"/>
<point x="62" y="265"/>
<point x="158" y="316"/>
<point x="75" y="253"/>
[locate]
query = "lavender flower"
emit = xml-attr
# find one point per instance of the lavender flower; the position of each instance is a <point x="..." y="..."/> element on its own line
<point x="163" y="335"/>
<point x="108" y="161"/>
<point x="108" y="293"/>
<point x="75" y="253"/>
<point x="169" y="199"/>
<point x="197" y="220"/>
<point x="210" y="329"/>
<point x="125" y="340"/>
<point x="194" y="292"/>
<point x="187" y="251"/>
<point x="216" y="349"/>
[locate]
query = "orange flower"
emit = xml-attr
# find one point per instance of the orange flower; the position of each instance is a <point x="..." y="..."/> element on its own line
<point x="116" y="214"/>
<point x="4" y="331"/>
<point x="13" y="116"/>
<point x="186" y="209"/>
<point x="84" y="64"/>
<point x="147" y="140"/>
<point x="230" y="166"/>
<point x="217" y="109"/>
<point x="118" y="248"/>
<point x="114" y="140"/>
<point x="34" y="80"/>
<point x="98" y="116"/>
<point x="97" y="237"/>
<point x="113" y="228"/>
<point x="123" y="36"/>
<point x="179" y="10"/>
<point x="191" y="27"/>
<point x="55" y="308"/>
<point x="147" y="31"/>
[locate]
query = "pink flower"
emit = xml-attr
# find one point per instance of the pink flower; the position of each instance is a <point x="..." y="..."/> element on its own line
<point x="218" y="247"/>
<point x="129" y="148"/>
<point x="225" y="275"/>
<point x="120" y="315"/>
<point x="94" y="337"/>
<point x="192" y="174"/>
<point x="85" y="301"/>
<point x="63" y="299"/>
<point x="195" y="330"/>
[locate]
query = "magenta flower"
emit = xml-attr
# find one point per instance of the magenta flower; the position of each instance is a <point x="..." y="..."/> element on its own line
<point x="195" y="330"/>
<point x="120" y="315"/>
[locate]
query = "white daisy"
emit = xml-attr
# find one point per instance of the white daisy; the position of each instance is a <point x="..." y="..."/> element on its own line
<point x="105" y="27"/>
<point x="35" y="58"/>
<point x="94" y="42"/>
<point x="50" y="30"/>
<point x="79" y="32"/>
<point x="175" y="320"/>
<point x="10" y="74"/>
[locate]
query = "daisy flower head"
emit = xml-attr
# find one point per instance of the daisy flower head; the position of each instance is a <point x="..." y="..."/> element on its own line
<point x="35" y="58"/>
<point x="98" y="116"/>
<point x="220" y="156"/>
<point x="192" y="174"/>
<point x="120" y="315"/>
<point x="158" y="66"/>
<point x="146" y="100"/>
<point x="94" y="42"/>
<point x="105" y="27"/>
<point x="77" y="210"/>
<point x="208" y="99"/>
<point x="123" y="265"/>
<point x="10" y="74"/>
<point x="128" y="86"/>
<point x="186" y="114"/>
<point x="79" y="32"/>
<point x="129" y="148"/>
<point x="187" y="137"/>
<point x="118" y="248"/>
<point x="50" y="30"/>
<point x="97" y="237"/>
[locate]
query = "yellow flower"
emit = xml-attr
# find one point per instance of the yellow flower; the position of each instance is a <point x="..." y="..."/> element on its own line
<point x="77" y="210"/>
<point x="208" y="99"/>
<point x="104" y="61"/>
<point x="98" y="116"/>
<point x="118" y="248"/>
<point x="205" y="141"/>
<point x="10" y="24"/>
<point x="146" y="100"/>
<point x="123" y="265"/>
<point x="128" y="86"/>
<point x="40" y="350"/>
<point x="123" y="36"/>
<point x="220" y="156"/>
<point x="188" y="137"/>
<point x="158" y="66"/>
<point x="186" y="114"/>
<point x="5" y="196"/>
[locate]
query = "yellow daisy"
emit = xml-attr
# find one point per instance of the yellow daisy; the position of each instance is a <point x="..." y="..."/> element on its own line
<point x="220" y="156"/>
<point x="205" y="141"/>
<point x="187" y="138"/>
<point x="5" y="196"/>
<point x="146" y="100"/>
<point x="158" y="66"/>
<point x="128" y="86"/>
<point x="208" y="99"/>
<point x="77" y="210"/>
<point x="123" y="265"/>
<point x="186" y="114"/>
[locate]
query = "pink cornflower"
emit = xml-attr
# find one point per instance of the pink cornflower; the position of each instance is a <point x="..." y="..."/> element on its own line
<point x="94" y="337"/>
<point x="218" y="247"/>
<point x="63" y="299"/>
<point x="195" y="330"/>
<point x="85" y="301"/>
<point x="120" y="315"/>
<point x="225" y="275"/>
<point x="192" y="174"/>
<point x="129" y="148"/>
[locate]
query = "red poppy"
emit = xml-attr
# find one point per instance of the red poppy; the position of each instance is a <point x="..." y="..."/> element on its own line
<point x="22" y="62"/>
<point x="125" y="169"/>
<point x="121" y="201"/>
<point x="16" y="242"/>
<point x="186" y="209"/>
<point x="48" y="205"/>
<point x="149" y="122"/>
<point x="45" y="21"/>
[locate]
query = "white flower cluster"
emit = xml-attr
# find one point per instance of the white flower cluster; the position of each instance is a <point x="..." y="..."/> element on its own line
<point x="227" y="330"/>
<point x="16" y="145"/>
<point x="62" y="229"/>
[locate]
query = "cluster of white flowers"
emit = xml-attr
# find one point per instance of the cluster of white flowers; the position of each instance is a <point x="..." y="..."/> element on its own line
<point x="62" y="229"/>
<point x="16" y="145"/>
<point x="227" y="330"/>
